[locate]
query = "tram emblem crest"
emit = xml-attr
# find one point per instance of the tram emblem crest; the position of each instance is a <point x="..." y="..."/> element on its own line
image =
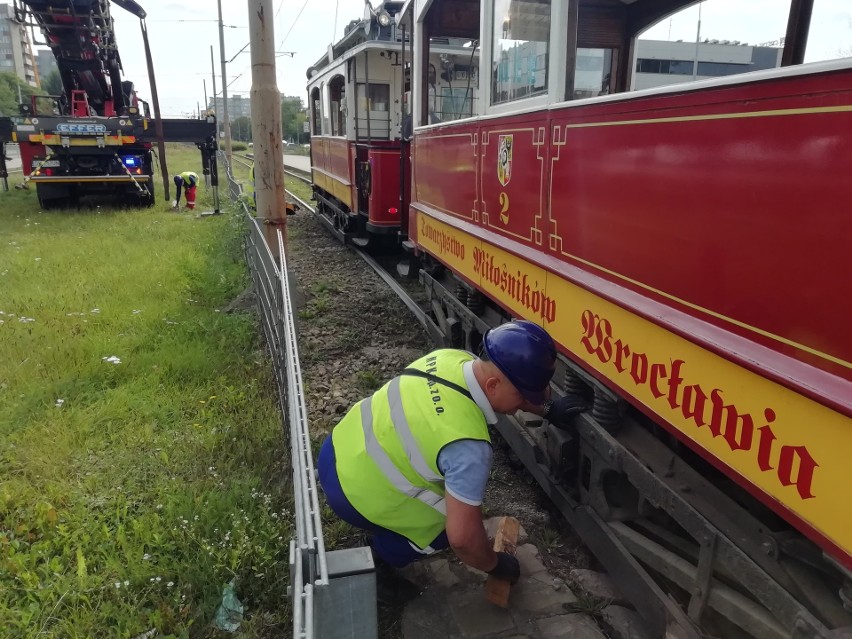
<point x="504" y="159"/>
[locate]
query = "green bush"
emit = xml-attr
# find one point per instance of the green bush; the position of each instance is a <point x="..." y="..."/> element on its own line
<point x="239" y="146"/>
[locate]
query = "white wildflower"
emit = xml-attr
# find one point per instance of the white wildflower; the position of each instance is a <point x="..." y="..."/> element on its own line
<point x="112" y="359"/>
<point x="59" y="402"/>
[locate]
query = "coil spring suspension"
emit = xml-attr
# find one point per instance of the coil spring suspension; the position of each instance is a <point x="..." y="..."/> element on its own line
<point x="606" y="413"/>
<point x="574" y="384"/>
<point x="461" y="293"/>
<point x="476" y="302"/>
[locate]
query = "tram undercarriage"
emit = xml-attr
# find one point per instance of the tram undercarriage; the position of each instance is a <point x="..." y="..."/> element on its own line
<point x="693" y="555"/>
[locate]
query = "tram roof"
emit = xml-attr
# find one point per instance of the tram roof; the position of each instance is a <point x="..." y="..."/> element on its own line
<point x="642" y="13"/>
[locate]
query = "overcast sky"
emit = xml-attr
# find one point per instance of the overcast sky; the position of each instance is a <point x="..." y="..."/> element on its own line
<point x="182" y="32"/>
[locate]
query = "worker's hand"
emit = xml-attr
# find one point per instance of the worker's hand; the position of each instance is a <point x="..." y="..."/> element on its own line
<point x="563" y="410"/>
<point x="507" y="568"/>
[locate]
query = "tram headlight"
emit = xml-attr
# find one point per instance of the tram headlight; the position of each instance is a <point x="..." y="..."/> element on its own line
<point x="384" y="18"/>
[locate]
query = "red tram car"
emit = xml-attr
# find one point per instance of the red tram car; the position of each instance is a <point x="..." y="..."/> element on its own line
<point x="356" y="150"/>
<point x="687" y="247"/>
<point x="360" y="121"/>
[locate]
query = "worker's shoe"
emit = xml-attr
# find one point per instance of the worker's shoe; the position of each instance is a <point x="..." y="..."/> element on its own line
<point x="392" y="589"/>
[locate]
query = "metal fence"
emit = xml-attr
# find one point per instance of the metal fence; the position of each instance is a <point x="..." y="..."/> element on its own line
<point x="333" y="594"/>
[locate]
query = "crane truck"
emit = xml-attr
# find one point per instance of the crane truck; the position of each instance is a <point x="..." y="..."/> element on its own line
<point x="97" y="139"/>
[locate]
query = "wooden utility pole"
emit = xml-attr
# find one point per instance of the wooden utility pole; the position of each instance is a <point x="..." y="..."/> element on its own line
<point x="266" y="124"/>
<point x="226" y="122"/>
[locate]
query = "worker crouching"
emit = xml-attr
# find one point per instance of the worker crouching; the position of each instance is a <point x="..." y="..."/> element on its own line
<point x="410" y="463"/>
<point x="188" y="181"/>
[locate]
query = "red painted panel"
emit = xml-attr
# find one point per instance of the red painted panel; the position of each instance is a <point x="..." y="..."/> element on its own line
<point x="445" y="167"/>
<point x="384" y="189"/>
<point x="338" y="159"/>
<point x="513" y="171"/>
<point x="741" y="217"/>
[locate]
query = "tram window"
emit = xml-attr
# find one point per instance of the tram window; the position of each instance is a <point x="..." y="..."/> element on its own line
<point x="456" y="103"/>
<point x="337" y="91"/>
<point x="520" y="54"/>
<point x="593" y="72"/>
<point x="324" y="96"/>
<point x="373" y="114"/>
<point x="686" y="45"/>
<point x="316" y="110"/>
<point x="447" y="84"/>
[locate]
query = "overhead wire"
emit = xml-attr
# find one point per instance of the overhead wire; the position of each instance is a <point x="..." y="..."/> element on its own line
<point x="281" y="46"/>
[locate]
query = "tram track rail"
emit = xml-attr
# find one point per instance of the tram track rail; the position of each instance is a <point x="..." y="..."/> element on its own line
<point x="418" y="312"/>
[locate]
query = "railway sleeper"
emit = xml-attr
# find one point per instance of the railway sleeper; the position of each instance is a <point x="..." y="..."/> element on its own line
<point x="690" y="557"/>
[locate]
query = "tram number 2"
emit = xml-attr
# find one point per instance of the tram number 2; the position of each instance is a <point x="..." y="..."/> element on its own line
<point x="504" y="207"/>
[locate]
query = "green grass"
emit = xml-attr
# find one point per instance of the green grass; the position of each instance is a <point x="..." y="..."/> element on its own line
<point x="131" y="493"/>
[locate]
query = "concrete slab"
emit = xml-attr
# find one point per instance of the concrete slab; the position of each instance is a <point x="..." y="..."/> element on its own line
<point x="442" y="575"/>
<point x="598" y="585"/>
<point x="534" y="596"/>
<point x="453" y="604"/>
<point x="427" y="617"/>
<point x="475" y="616"/>
<point x="574" y="626"/>
<point x="529" y="559"/>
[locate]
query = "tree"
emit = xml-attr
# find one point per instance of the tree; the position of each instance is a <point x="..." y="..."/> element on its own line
<point x="292" y="118"/>
<point x="52" y="84"/>
<point x="241" y="129"/>
<point x="9" y="85"/>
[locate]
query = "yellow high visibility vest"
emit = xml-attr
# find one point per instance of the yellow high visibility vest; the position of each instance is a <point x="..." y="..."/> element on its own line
<point x="387" y="446"/>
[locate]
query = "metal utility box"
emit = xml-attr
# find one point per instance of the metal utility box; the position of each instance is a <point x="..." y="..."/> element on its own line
<point x="346" y="608"/>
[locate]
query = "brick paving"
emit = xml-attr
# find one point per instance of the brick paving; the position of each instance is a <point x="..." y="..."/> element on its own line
<point x="453" y="604"/>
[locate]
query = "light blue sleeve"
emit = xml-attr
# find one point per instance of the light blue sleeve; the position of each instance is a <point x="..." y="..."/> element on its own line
<point x="466" y="465"/>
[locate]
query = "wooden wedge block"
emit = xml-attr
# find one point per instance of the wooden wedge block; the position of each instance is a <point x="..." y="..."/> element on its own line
<point x="506" y="540"/>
